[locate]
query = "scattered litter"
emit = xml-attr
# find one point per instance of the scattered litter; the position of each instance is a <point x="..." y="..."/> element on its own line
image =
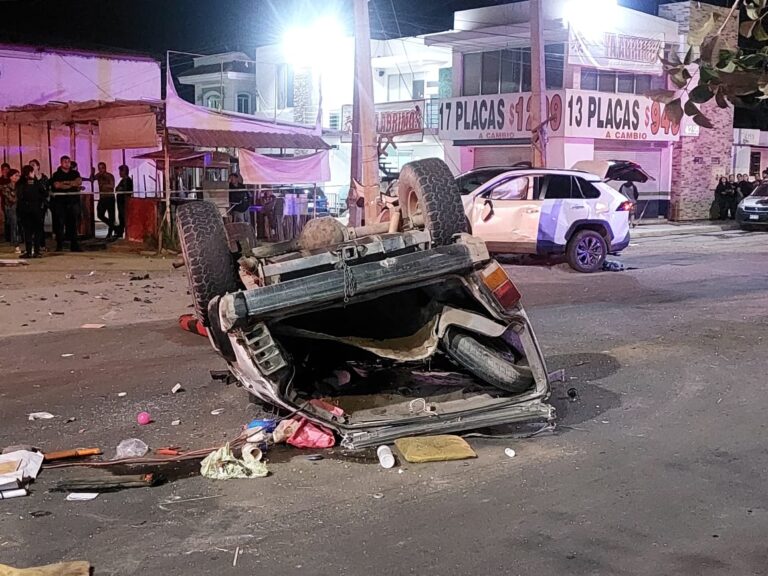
<point x="100" y="297"/>
<point x="40" y="513"/>
<point x="122" y="394"/>
<point x="70" y="276"/>
<point x="143" y="418"/>
<point x="91" y="273"/>
<point x="15" y="493"/>
<point x="266" y="424"/>
<point x="573" y="394"/>
<point x="177" y="389"/>
<point x="81" y="496"/>
<point x="70" y="419"/>
<point x="315" y="457"/>
<point x="62" y="569"/>
<point x="605" y="421"/>
<point x="55" y="313"/>
<point x="92" y="326"/>
<point x="41" y="416"/>
<point x="582" y="362"/>
<point x="217" y="411"/>
<point x="67" y="355"/>
<point x="106" y="483"/>
<point x="378" y="495"/>
<point x="131" y="448"/>
<point x="26" y="465"/>
<point x="221" y="464"/>
<point x="237" y="553"/>
<point x="76" y="453"/>
<point x="510" y="452"/>
<point x="386" y="458"/>
<point x="147" y="301"/>
<point x="136" y="299"/>
<point x="305" y="434"/>
<point x="417" y="449"/>
<point x="613" y="266"/>
<point x="83" y="292"/>
<point x="175" y="422"/>
<point x="137" y="278"/>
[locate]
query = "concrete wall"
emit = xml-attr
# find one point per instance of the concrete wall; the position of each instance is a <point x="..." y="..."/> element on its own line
<point x="696" y="161"/>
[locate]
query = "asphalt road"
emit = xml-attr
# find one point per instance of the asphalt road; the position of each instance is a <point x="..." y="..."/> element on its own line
<point x="657" y="468"/>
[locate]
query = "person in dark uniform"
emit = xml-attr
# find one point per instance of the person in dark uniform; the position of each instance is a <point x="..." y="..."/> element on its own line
<point x="66" y="183"/>
<point x="31" y="196"/>
<point x="43" y="179"/>
<point x="124" y="189"/>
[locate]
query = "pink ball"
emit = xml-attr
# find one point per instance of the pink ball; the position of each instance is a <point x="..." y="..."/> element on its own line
<point x="143" y="418"/>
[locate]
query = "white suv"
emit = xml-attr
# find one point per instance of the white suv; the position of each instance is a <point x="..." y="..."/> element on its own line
<point x="552" y="212"/>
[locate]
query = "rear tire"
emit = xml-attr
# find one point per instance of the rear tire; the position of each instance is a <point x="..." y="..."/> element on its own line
<point x="586" y="251"/>
<point x="488" y="363"/>
<point x="210" y="265"/>
<point x="427" y="188"/>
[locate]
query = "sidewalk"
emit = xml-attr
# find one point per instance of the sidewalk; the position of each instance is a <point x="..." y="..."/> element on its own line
<point x="677" y="229"/>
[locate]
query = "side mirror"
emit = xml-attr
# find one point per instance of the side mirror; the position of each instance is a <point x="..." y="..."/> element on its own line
<point x="487" y="211"/>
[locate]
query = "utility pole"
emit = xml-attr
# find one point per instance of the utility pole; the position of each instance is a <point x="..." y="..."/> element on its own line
<point x="365" y="157"/>
<point x="538" y="87"/>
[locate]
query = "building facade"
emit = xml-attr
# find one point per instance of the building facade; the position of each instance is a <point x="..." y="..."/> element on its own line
<point x="598" y="69"/>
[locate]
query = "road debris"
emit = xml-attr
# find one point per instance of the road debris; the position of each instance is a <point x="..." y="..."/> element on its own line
<point x="131" y="448"/>
<point x="143" y="418"/>
<point x="222" y="464"/>
<point x="177" y="388"/>
<point x="67" y="454"/>
<point x="82" y="496"/>
<point x="441" y="448"/>
<point x="175" y="422"/>
<point x="92" y="326"/>
<point x="19" y="467"/>
<point x="573" y="394"/>
<point x="217" y="411"/>
<point x="63" y="569"/>
<point x="137" y="277"/>
<point x="122" y="394"/>
<point x="107" y="483"/>
<point x="40" y="416"/>
<point x="301" y="433"/>
<point x="67" y="355"/>
<point x="386" y="458"/>
<point x="8" y="494"/>
<point x="510" y="452"/>
<point x="378" y="496"/>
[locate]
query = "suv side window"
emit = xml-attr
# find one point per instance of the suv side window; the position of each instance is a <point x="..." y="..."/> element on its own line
<point x="588" y="190"/>
<point x="558" y="187"/>
<point x="513" y="189"/>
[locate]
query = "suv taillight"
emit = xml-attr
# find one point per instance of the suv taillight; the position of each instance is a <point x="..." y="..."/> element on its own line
<point x="625" y="207"/>
<point x="503" y="289"/>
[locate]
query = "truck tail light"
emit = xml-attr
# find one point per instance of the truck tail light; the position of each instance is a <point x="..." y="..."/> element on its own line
<point x="625" y="207"/>
<point x="503" y="289"/>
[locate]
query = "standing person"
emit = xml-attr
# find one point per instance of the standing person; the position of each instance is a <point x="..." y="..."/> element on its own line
<point x="66" y="183"/>
<point x="239" y="199"/>
<point x="124" y="189"/>
<point x="31" y="197"/>
<point x="745" y="186"/>
<point x="8" y="192"/>
<point x="723" y="192"/>
<point x="629" y="190"/>
<point x="44" y="183"/>
<point x="105" y="208"/>
<point x="5" y="169"/>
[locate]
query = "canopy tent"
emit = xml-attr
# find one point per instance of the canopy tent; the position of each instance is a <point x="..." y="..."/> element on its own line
<point x="254" y="140"/>
<point x="260" y="169"/>
<point x="189" y="158"/>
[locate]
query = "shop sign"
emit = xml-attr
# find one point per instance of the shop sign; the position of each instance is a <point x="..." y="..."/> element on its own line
<point x="605" y="116"/>
<point x="395" y="121"/>
<point x="616" y="51"/>
<point x="495" y="117"/>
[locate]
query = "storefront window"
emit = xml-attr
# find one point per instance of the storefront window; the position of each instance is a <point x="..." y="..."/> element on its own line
<point x="642" y="83"/>
<point x="490" y="72"/>
<point x="554" y="62"/>
<point x="626" y="84"/>
<point x="511" y="71"/>
<point x="471" y="78"/>
<point x="588" y="79"/>
<point x="606" y="81"/>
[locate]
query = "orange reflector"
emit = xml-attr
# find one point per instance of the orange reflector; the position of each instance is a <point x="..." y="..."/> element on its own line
<point x="503" y="289"/>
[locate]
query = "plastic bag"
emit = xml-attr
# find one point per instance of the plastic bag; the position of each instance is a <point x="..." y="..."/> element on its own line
<point x="221" y="464"/>
<point x="131" y="448"/>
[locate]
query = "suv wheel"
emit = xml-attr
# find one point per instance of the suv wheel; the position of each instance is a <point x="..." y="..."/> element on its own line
<point x="586" y="251"/>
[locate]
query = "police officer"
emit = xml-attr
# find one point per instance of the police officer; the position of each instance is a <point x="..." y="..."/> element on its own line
<point x="66" y="183"/>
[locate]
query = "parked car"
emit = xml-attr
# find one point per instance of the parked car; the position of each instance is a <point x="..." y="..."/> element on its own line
<point x="555" y="212"/>
<point x="413" y="332"/>
<point x="752" y="212"/>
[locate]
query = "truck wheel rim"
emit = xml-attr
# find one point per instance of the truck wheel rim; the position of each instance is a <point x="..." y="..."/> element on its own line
<point x="589" y="252"/>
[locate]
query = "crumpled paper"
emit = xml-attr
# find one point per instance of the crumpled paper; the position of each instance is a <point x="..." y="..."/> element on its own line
<point x="221" y="464"/>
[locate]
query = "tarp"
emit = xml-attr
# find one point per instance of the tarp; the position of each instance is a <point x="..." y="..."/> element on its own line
<point x="260" y="169"/>
<point x="128" y="132"/>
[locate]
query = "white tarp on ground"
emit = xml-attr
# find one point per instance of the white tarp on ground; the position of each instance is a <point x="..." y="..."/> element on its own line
<point x="128" y="132"/>
<point x="260" y="169"/>
<point x="182" y="114"/>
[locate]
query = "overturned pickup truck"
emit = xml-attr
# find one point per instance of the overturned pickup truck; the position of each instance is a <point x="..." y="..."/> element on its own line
<point x="401" y="328"/>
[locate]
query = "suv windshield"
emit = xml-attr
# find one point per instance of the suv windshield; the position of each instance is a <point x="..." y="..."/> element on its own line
<point x="761" y="190"/>
<point x="471" y="180"/>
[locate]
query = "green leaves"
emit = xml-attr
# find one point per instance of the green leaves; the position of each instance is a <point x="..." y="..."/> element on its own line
<point x="674" y="110"/>
<point x="700" y="94"/>
<point x="663" y="96"/>
<point x="702" y="121"/>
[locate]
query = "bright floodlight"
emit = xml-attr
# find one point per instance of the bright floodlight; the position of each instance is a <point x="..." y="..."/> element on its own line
<point x="590" y="16"/>
<point x="314" y="45"/>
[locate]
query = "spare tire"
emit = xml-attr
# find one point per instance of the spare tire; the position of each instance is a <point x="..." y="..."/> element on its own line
<point x="210" y="265"/>
<point x="427" y="188"/>
<point x="487" y="362"/>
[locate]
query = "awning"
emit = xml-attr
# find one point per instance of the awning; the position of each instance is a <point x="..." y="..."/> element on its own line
<point x="236" y="139"/>
<point x="260" y="169"/>
<point x="188" y="158"/>
<point x="90" y="111"/>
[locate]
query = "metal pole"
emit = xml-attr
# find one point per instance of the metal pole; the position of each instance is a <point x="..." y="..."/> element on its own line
<point x="167" y="193"/>
<point x="364" y="150"/>
<point x="21" y="160"/>
<point x="50" y="150"/>
<point x="538" y="86"/>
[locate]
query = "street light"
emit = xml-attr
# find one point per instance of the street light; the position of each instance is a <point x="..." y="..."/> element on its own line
<point x="314" y="45"/>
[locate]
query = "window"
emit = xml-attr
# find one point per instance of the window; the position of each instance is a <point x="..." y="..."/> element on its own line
<point x="588" y="79"/>
<point x="557" y="187"/>
<point x="285" y="91"/>
<point x="588" y="190"/>
<point x="244" y="103"/>
<point x="554" y="64"/>
<point x="642" y="83"/>
<point x="417" y="93"/>
<point x="513" y="189"/>
<point x="606" y="81"/>
<point x="471" y="83"/>
<point x="490" y="72"/>
<point x="626" y="84"/>
<point x="213" y="100"/>
<point x="511" y="71"/>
